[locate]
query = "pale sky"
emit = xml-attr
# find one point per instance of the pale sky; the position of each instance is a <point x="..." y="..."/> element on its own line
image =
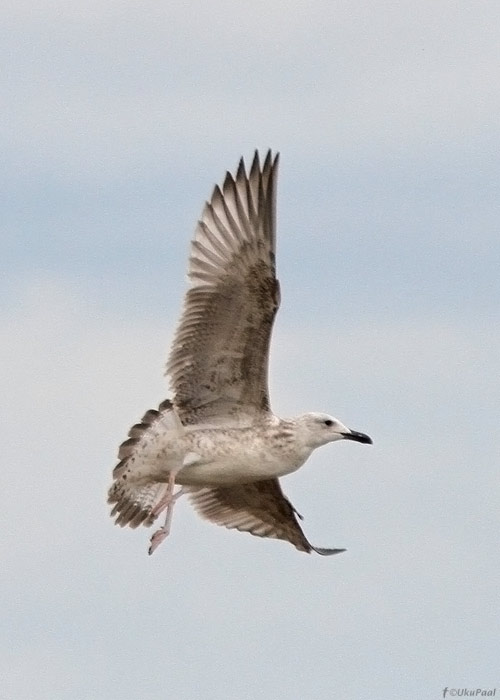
<point x="117" y="119"/>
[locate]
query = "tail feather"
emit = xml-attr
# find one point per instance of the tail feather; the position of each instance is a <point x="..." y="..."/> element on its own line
<point x="133" y="504"/>
<point x="134" y="498"/>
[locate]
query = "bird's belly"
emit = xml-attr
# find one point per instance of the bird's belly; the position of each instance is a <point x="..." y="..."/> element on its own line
<point x="237" y="456"/>
<point x="235" y="470"/>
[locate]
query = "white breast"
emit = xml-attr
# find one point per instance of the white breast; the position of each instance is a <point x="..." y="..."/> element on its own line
<point x="238" y="455"/>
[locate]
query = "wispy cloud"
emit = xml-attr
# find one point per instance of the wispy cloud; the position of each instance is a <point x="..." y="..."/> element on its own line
<point x="111" y="89"/>
<point x="75" y="379"/>
<point x="117" y="120"/>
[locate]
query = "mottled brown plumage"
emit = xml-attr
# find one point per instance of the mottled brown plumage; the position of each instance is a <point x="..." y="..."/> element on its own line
<point x="218" y="438"/>
<point x="260" y="508"/>
<point x="219" y="360"/>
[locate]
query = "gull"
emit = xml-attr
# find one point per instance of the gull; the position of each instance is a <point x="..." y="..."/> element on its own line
<point x="217" y="438"/>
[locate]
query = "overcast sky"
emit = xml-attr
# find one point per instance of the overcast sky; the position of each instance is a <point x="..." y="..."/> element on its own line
<point x="117" y="119"/>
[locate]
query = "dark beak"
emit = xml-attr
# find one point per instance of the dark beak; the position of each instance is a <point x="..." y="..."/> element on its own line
<point x="359" y="437"/>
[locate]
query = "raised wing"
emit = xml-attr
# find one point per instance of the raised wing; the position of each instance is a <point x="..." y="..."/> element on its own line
<point x="259" y="508"/>
<point x="219" y="360"/>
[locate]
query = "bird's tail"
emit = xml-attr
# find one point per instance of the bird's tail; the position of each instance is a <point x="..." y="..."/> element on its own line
<point x="134" y="499"/>
<point x="133" y="504"/>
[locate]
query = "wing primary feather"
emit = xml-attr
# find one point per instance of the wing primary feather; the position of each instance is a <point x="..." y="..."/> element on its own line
<point x="232" y="299"/>
<point x="259" y="508"/>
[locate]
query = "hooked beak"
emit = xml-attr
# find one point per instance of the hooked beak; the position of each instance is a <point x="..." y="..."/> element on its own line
<point x="358" y="437"/>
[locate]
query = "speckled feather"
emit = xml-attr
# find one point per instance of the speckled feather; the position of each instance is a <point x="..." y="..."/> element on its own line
<point x="219" y="360"/>
<point x="218" y="375"/>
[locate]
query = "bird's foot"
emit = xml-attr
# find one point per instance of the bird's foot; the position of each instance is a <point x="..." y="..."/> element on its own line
<point x="157" y="539"/>
<point x="168" y="502"/>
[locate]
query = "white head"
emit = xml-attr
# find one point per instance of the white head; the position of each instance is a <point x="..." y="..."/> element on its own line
<point x="320" y="428"/>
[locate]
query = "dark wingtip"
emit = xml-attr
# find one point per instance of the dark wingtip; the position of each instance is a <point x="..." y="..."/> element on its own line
<point x="325" y="552"/>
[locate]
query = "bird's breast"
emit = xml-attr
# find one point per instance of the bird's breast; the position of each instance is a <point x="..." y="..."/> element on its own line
<point x="239" y="455"/>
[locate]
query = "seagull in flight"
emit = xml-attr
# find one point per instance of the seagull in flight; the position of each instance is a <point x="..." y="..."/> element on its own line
<point x="217" y="439"/>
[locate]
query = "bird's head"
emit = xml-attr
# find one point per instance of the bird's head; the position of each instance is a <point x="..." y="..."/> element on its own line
<point x="320" y="428"/>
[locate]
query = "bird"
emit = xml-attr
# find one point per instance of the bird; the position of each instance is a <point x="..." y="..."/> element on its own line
<point x="216" y="438"/>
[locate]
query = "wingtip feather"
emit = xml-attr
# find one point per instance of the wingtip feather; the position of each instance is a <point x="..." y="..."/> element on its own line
<point x="325" y="552"/>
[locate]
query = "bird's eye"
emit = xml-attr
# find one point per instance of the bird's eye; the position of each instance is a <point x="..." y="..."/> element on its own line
<point x="328" y="422"/>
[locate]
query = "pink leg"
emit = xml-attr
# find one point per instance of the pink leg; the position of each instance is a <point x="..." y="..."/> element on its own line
<point x="166" y="498"/>
<point x="167" y="502"/>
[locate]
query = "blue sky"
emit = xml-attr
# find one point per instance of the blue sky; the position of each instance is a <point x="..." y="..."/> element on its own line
<point x="117" y="120"/>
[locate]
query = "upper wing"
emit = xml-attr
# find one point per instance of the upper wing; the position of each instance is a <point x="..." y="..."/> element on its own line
<point x="219" y="359"/>
<point x="259" y="507"/>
